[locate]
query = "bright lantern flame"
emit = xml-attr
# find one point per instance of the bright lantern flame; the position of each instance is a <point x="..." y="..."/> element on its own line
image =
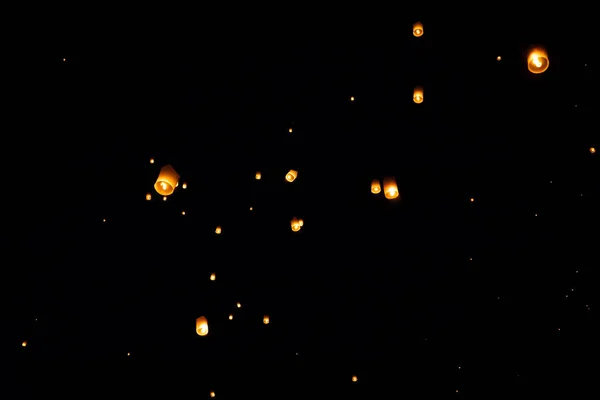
<point x="266" y="320"/>
<point x="167" y="181"/>
<point x="24" y="344"/>
<point x="390" y="188"/>
<point x="375" y="186"/>
<point x="418" y="95"/>
<point x="291" y="175"/>
<point x="418" y="29"/>
<point x="296" y="224"/>
<point x="354" y="378"/>
<point x="202" y="326"/>
<point x="537" y="61"/>
<point x="213" y="276"/>
<point x="218" y="230"/>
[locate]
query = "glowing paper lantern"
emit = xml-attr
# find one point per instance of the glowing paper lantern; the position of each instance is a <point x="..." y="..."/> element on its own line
<point x="24" y="344"/>
<point x="218" y="230"/>
<point x="213" y="276"/>
<point x="390" y="189"/>
<point x="258" y="176"/>
<point x="266" y="320"/>
<point x="230" y="317"/>
<point x="296" y="224"/>
<point x="418" y="29"/>
<point x="354" y="378"/>
<point x="239" y="305"/>
<point x="418" y="96"/>
<point x="537" y="60"/>
<point x="592" y="150"/>
<point x="148" y="196"/>
<point x="202" y="326"/>
<point x="212" y="394"/>
<point x="291" y="175"/>
<point x="167" y="181"/>
<point x="184" y="186"/>
<point x="375" y="186"/>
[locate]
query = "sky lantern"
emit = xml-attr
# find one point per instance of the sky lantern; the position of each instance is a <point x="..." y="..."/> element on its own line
<point x="213" y="276"/>
<point x="418" y="29"/>
<point x="537" y="60"/>
<point x="202" y="326"/>
<point x="218" y="230"/>
<point x="212" y="394"/>
<point x="375" y="186"/>
<point x="418" y="96"/>
<point x="266" y="320"/>
<point x="148" y="196"/>
<point x="167" y="181"/>
<point x="184" y="186"/>
<point x="354" y="378"/>
<point x="390" y="189"/>
<point x="258" y="176"/>
<point x="291" y="175"/>
<point x="296" y="224"/>
<point x="24" y="344"/>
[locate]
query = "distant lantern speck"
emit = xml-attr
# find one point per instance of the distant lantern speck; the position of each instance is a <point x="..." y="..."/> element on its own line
<point x="212" y="394"/>
<point x="258" y="176"/>
<point x="202" y="326"/>
<point x="291" y="175"/>
<point x="266" y="320"/>
<point x="354" y="378"/>
<point x="375" y="186"/>
<point x="148" y="196"/>
<point x="24" y="344"/>
<point x="537" y="60"/>
<point x="184" y="186"/>
<point x="103" y="219"/>
<point x="295" y="224"/>
<point x="230" y="317"/>
<point x="290" y="130"/>
<point x="418" y="29"/>
<point x="418" y="96"/>
<point x="213" y="276"/>
<point x="390" y="188"/>
<point x="183" y="213"/>
<point x="164" y="198"/>
<point x="167" y="180"/>
<point x="498" y="58"/>
<point x="239" y="305"/>
<point x="592" y="150"/>
<point x="152" y="161"/>
<point x="472" y="199"/>
<point x="218" y="230"/>
<point x="351" y="98"/>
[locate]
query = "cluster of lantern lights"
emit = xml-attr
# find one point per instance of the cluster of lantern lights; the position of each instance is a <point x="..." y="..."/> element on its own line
<point x="390" y="188"/>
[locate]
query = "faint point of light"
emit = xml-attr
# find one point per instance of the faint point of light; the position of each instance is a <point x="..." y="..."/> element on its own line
<point x="290" y="130"/>
<point x="239" y="305"/>
<point x="550" y="181"/>
<point x="164" y="198"/>
<point x="351" y="98"/>
<point x="266" y="320"/>
<point x="592" y="150"/>
<point x="128" y="354"/>
<point x="472" y="200"/>
<point x="230" y="317"/>
<point x="218" y="230"/>
<point x="535" y="214"/>
<point x="456" y="390"/>
<point x="213" y="276"/>
<point x="64" y="59"/>
<point x="177" y="184"/>
<point x="498" y="58"/>
<point x="470" y="258"/>
<point x="183" y="213"/>
<point x="184" y="186"/>
<point x="257" y="176"/>
<point x="148" y="196"/>
<point x="354" y="378"/>
<point x="152" y="161"/>
<point x="250" y="208"/>
<point x="24" y="344"/>
<point x="103" y="219"/>
<point x="212" y="394"/>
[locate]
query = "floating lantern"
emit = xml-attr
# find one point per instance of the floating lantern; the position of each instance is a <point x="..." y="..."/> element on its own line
<point x="212" y="394"/>
<point x="498" y="58"/>
<point x="354" y="378"/>
<point x="418" y="29"/>
<point x="258" y="176"/>
<point x="148" y="196"/>
<point x="418" y="96"/>
<point x="184" y="186"/>
<point x="152" y="161"/>
<point x="390" y="189"/>
<point x="213" y="276"/>
<point x="296" y="224"/>
<point x="164" y="198"/>
<point x="537" y="60"/>
<point x="592" y="150"/>
<point x="266" y="320"/>
<point x="291" y="175"/>
<point x="351" y="98"/>
<point x="218" y="230"/>
<point x="375" y="186"/>
<point x="239" y="305"/>
<point x="230" y="317"/>
<point x="290" y="130"/>
<point x="167" y="180"/>
<point x="201" y="326"/>
<point x="24" y="344"/>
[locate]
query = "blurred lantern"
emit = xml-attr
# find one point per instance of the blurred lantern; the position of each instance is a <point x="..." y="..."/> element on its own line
<point x="354" y="378"/>
<point x="218" y="230"/>
<point x="375" y="186"/>
<point x="213" y="276"/>
<point x="202" y="326"/>
<point x="230" y="317"/>
<point x="24" y="344"/>
<point x="212" y="394"/>
<point x="418" y="96"/>
<point x="301" y="222"/>
<point x="592" y="150"/>
<point x="290" y="130"/>
<point x="266" y="320"/>
<point x="184" y="186"/>
<point x="239" y="305"/>
<point x="537" y="60"/>
<point x="296" y="225"/>
<point x="167" y="180"/>
<point x="148" y="196"/>
<point x="291" y="175"/>
<point x="390" y="189"/>
<point x="258" y="176"/>
<point x="418" y="29"/>
<point x="164" y="198"/>
<point x="152" y="161"/>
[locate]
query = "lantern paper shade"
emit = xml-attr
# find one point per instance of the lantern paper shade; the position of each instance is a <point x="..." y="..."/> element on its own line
<point x="537" y="60"/>
<point x="218" y="230"/>
<point x="291" y="175"/>
<point x="167" y="180"/>
<point x="266" y="320"/>
<point x="202" y="326"/>
<point x="390" y="189"/>
<point x="296" y="224"/>
<point x="375" y="186"/>
<point x="258" y="176"/>
<point x="418" y="29"/>
<point x="418" y="96"/>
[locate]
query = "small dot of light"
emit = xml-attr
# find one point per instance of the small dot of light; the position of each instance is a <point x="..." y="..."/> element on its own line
<point x="24" y="344"/>
<point x="230" y="317"/>
<point x="470" y="258"/>
<point x="592" y="150"/>
<point x="64" y="59"/>
<point x="148" y="196"/>
<point x="290" y="130"/>
<point x="535" y="214"/>
<point x="354" y="378"/>
<point x="239" y="305"/>
<point x="152" y="161"/>
<point x="212" y="394"/>
<point x="472" y="199"/>
<point x="164" y="198"/>
<point x="184" y="186"/>
<point x="266" y="320"/>
<point x="128" y="354"/>
<point x="351" y="98"/>
<point x="250" y="208"/>
<point x="559" y="329"/>
<point x="550" y="181"/>
<point x="456" y="390"/>
<point x="498" y="58"/>
<point x="213" y="276"/>
<point x="183" y="213"/>
<point x="103" y="219"/>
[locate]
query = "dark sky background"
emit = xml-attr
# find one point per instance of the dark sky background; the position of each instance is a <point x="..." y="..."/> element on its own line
<point x="427" y="295"/>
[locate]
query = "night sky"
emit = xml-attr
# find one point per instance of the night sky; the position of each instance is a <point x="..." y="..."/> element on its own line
<point x="480" y="280"/>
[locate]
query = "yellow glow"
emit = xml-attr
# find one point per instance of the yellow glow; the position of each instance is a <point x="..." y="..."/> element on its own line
<point x="184" y="186"/>
<point x="354" y="378"/>
<point x="418" y="29"/>
<point x="537" y="60"/>
<point x="218" y="230"/>
<point x="498" y="58"/>
<point x="212" y="394"/>
<point x="152" y="161"/>
<point x="24" y="344"/>
<point x="164" y="198"/>
<point x="213" y="276"/>
<point x="418" y="95"/>
<point x="239" y="305"/>
<point x="167" y="181"/>
<point x="390" y="188"/>
<point x="290" y="130"/>
<point x="266" y="320"/>
<point x="351" y="98"/>
<point x="148" y="196"/>
<point x="230" y="317"/>
<point x="592" y="150"/>
<point x="202" y="326"/>
<point x="183" y="213"/>
<point x="295" y="224"/>
<point x="375" y="186"/>
<point x="258" y="176"/>
<point x="291" y="175"/>
<point x="472" y="200"/>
